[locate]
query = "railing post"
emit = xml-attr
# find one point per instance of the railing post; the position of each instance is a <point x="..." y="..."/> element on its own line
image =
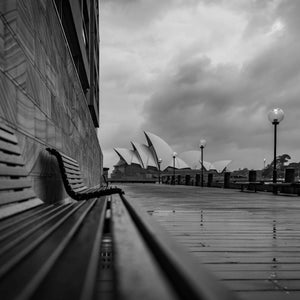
<point x="197" y="180"/>
<point x="173" y="180"/>
<point x="289" y="175"/>
<point x="252" y="176"/>
<point x="210" y="179"/>
<point x="187" y="179"/>
<point x="226" y="180"/>
<point x="178" y="179"/>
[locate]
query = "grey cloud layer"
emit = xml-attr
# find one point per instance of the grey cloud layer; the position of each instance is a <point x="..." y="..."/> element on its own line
<point x="192" y="96"/>
<point x="228" y="104"/>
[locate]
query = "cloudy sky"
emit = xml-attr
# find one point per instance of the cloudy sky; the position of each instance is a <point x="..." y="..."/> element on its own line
<point x="192" y="69"/>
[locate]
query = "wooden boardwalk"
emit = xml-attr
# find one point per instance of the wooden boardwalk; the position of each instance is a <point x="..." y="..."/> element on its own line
<point x="251" y="241"/>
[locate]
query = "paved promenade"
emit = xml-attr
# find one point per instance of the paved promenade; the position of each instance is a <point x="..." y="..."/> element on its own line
<point x="251" y="241"/>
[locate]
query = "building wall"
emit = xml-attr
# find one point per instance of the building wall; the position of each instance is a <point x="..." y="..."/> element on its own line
<point x="41" y="95"/>
<point x="127" y="171"/>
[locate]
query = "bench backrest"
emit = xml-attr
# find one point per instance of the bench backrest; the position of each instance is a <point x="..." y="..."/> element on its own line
<point x="70" y="171"/>
<point x="15" y="185"/>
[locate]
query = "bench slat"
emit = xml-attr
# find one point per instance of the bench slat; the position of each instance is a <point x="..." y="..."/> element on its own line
<point x="13" y="171"/>
<point x="8" y="184"/>
<point x="60" y="259"/>
<point x="77" y="189"/>
<point x="10" y="197"/>
<point x="80" y="189"/>
<point x="87" y="242"/>
<point x="78" y="185"/>
<point x="13" y="254"/>
<point x="75" y="180"/>
<point x="74" y="172"/>
<point x="11" y="138"/>
<point x="71" y="167"/>
<point x="19" y="207"/>
<point x="10" y="148"/>
<point x="72" y="176"/>
<point x="134" y="261"/>
<point x="70" y="163"/>
<point x="6" y="128"/>
<point x="68" y="159"/>
<point x="11" y="159"/>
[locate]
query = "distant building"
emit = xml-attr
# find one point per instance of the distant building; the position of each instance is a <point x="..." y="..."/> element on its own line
<point x="49" y="86"/>
<point x="143" y="161"/>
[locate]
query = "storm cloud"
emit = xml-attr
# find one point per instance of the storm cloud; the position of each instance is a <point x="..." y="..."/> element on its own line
<point x="186" y="70"/>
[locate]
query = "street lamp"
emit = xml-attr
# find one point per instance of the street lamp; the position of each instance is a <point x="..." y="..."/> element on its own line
<point x="202" y="144"/>
<point x="275" y="116"/>
<point x="159" y="162"/>
<point x="174" y="157"/>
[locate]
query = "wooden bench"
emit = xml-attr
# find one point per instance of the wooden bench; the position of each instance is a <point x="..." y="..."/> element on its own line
<point x="73" y="180"/>
<point x="63" y="251"/>
<point x="37" y="240"/>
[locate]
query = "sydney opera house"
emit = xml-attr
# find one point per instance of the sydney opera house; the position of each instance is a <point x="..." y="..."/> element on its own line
<point x="144" y="160"/>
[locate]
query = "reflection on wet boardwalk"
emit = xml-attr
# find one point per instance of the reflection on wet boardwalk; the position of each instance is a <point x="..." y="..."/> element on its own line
<point x="251" y="241"/>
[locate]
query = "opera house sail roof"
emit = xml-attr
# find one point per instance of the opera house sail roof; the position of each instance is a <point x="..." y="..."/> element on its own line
<point x="157" y="149"/>
<point x="193" y="159"/>
<point x="129" y="156"/>
<point x="161" y="149"/>
<point x="145" y="155"/>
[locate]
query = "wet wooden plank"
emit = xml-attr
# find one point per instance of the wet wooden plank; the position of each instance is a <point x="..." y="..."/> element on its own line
<point x="189" y="278"/>
<point x="250" y="241"/>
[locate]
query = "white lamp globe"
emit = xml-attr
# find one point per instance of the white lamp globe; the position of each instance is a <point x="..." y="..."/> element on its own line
<point x="276" y="115"/>
<point x="202" y="143"/>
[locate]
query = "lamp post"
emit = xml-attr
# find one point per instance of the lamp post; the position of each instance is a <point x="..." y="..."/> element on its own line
<point x="159" y="162"/>
<point x="265" y="163"/>
<point x="275" y="116"/>
<point x="202" y="144"/>
<point x="174" y="157"/>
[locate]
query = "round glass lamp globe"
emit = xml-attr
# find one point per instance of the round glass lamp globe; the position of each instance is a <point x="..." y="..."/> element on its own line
<point x="276" y="115"/>
<point x="174" y="154"/>
<point x="202" y="143"/>
<point x="159" y="160"/>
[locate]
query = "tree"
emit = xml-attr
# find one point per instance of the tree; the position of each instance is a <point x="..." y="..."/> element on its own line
<point x="281" y="160"/>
